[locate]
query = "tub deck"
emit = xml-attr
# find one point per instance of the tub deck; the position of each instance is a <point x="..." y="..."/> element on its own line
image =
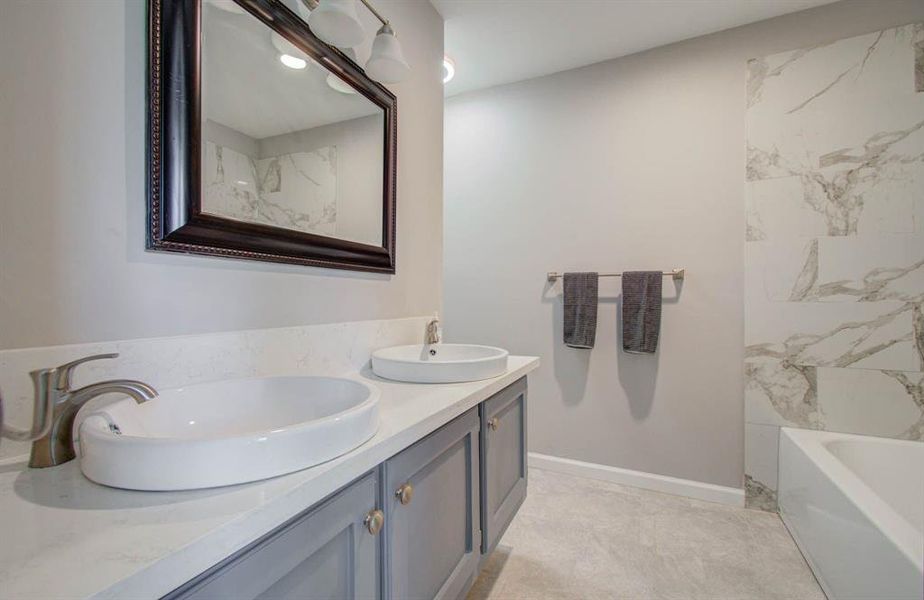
<point x="855" y="506"/>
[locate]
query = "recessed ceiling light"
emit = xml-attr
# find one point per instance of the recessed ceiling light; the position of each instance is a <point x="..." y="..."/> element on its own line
<point x="289" y="54"/>
<point x="293" y="62"/>
<point x="449" y="69"/>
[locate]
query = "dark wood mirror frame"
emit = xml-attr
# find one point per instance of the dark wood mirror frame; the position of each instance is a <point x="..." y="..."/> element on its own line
<point x="176" y="222"/>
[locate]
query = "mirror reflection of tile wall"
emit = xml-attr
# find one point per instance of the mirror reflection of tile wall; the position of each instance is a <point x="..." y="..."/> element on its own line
<point x="834" y="304"/>
<point x="296" y="148"/>
<point x="296" y="191"/>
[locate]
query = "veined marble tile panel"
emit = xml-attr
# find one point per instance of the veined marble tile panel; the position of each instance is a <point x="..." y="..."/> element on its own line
<point x="864" y="401"/>
<point x="761" y="465"/>
<point x="299" y="190"/>
<point x="816" y="115"/>
<point x="779" y="393"/>
<point x="870" y="268"/>
<point x="776" y="208"/>
<point x="834" y="301"/>
<point x="230" y="183"/>
<point x="918" y="57"/>
<point x="843" y="184"/>
<point x="296" y="191"/>
<point x="870" y="69"/>
<point x="780" y="270"/>
<point x="177" y="361"/>
<point x="853" y="131"/>
<point x="836" y="269"/>
<point x="880" y="403"/>
<point x="881" y="62"/>
<point x="863" y="335"/>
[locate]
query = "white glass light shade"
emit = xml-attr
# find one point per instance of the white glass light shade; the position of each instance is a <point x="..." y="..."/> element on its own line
<point x="387" y="64"/>
<point x="335" y="22"/>
<point x="303" y="11"/>
<point x="338" y="84"/>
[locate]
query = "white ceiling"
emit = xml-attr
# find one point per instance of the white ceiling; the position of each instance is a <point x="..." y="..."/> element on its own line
<point x="499" y="41"/>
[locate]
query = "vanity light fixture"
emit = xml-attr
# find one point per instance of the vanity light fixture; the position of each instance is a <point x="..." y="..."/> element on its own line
<point x="387" y="62"/>
<point x="336" y="22"/>
<point x="289" y="54"/>
<point x="449" y="69"/>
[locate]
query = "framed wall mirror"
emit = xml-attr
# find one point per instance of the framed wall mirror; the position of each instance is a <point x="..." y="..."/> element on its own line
<point x="265" y="143"/>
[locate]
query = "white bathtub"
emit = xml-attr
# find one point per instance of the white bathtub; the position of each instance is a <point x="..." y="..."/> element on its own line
<point x="855" y="506"/>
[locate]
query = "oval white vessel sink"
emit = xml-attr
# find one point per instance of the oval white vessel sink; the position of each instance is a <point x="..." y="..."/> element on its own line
<point x="226" y="432"/>
<point x="439" y="363"/>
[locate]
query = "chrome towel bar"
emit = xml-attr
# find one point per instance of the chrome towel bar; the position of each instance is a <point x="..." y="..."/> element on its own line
<point x="675" y="274"/>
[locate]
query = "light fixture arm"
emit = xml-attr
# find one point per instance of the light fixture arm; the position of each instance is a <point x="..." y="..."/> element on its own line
<point x="377" y="14"/>
<point x="313" y="4"/>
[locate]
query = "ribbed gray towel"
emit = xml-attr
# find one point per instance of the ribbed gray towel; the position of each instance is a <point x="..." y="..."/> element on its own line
<point x="580" y="303"/>
<point x="641" y="311"/>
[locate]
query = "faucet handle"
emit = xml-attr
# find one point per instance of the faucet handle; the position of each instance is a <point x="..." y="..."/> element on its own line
<point x="63" y="377"/>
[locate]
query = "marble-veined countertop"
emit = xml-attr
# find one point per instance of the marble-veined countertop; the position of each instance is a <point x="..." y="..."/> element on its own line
<point x="66" y="537"/>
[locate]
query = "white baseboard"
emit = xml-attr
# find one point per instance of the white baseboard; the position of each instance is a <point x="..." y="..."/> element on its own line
<point x="649" y="481"/>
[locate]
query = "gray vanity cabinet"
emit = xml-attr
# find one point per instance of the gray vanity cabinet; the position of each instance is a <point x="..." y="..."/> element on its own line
<point x="503" y="461"/>
<point x="326" y="553"/>
<point x="432" y="539"/>
<point x="434" y="511"/>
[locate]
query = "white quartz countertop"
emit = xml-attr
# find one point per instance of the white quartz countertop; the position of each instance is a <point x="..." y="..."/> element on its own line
<point x="66" y="537"/>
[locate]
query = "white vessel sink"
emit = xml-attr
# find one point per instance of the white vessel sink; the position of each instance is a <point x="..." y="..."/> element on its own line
<point x="439" y="363"/>
<point x="226" y="432"/>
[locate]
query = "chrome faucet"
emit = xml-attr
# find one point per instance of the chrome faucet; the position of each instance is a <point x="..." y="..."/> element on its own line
<point x="433" y="331"/>
<point x="53" y="394"/>
<point x="41" y="421"/>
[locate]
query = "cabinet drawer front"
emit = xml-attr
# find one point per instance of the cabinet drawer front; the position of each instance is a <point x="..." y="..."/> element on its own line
<point x="503" y="470"/>
<point x="433" y="546"/>
<point x="324" y="554"/>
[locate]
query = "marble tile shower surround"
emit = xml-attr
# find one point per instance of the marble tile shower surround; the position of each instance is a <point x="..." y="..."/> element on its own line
<point x="296" y="191"/>
<point x="834" y="269"/>
<point x="171" y="362"/>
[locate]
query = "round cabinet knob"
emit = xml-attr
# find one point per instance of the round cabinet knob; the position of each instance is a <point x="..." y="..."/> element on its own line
<point x="405" y="493"/>
<point x="374" y="521"/>
<point x="494" y="423"/>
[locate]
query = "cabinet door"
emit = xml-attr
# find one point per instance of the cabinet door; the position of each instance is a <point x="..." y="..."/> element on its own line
<point x="432" y="514"/>
<point x="503" y="456"/>
<point x="326" y="553"/>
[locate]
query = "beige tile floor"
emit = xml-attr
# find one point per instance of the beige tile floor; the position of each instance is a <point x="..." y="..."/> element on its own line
<point x="580" y="538"/>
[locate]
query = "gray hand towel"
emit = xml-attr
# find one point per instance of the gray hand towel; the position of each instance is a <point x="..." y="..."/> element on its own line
<point x="580" y="304"/>
<point x="641" y="311"/>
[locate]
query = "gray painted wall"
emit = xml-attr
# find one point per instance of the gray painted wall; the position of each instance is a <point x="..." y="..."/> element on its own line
<point x="225" y="136"/>
<point x="72" y="166"/>
<point x="634" y="163"/>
